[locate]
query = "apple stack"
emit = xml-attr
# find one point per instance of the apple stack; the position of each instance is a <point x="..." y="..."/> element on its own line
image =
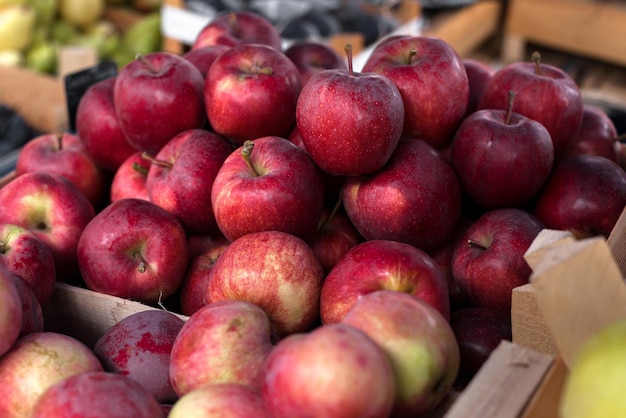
<point x="340" y="243"/>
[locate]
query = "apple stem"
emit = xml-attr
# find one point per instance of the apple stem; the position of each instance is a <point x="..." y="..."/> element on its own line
<point x="263" y="70"/>
<point x="536" y="58"/>
<point x="509" y="108"/>
<point x="140" y="169"/>
<point x="59" y="142"/>
<point x="246" y="152"/>
<point x="331" y="215"/>
<point x="145" y="62"/>
<point x="348" y="49"/>
<point x="161" y="163"/>
<point x="412" y="54"/>
<point x="142" y="267"/>
<point x="474" y="244"/>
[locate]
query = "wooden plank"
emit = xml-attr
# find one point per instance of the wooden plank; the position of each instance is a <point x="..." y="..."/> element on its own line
<point x="545" y="402"/>
<point x="528" y="327"/>
<point x="591" y="28"/>
<point x="504" y="385"/>
<point x="617" y="242"/>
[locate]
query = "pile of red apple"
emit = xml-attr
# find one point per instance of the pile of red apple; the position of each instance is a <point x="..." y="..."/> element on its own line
<point x="341" y="243"/>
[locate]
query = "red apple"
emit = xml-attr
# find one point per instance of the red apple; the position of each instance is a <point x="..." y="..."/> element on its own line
<point x="418" y="66"/>
<point x="268" y="184"/>
<point x="52" y="208"/>
<point x="332" y="371"/>
<point x="157" y="96"/>
<point x="28" y="257"/>
<point x="203" y="57"/>
<point x="334" y="238"/>
<point x="350" y="122"/>
<point x="129" y="180"/>
<point x="133" y="249"/>
<point x="313" y="57"/>
<point x="544" y="93"/>
<point x="275" y="270"/>
<point x="415" y="198"/>
<point x="585" y="195"/>
<point x="238" y="27"/>
<point x="181" y="176"/>
<point x="251" y="91"/>
<point x="597" y="135"/>
<point x="404" y="325"/>
<point x="501" y="157"/>
<point x="99" y="129"/>
<point x="11" y="312"/>
<point x="35" y="363"/>
<point x="32" y="313"/>
<point x="488" y="261"/>
<point x="223" y="342"/>
<point x="478" y="75"/>
<point x="382" y="265"/>
<point x="64" y="155"/>
<point x="97" y="394"/>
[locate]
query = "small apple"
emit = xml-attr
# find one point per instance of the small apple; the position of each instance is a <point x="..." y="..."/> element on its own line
<point x="597" y="135"/>
<point x="478" y="75"/>
<point x="312" y="57"/>
<point x="334" y="238"/>
<point x="11" y="312"/>
<point x="203" y="57"/>
<point x="133" y="249"/>
<point x="129" y="180"/>
<point x="32" y="313"/>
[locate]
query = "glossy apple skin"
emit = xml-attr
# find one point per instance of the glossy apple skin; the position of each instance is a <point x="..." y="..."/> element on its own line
<point x="52" y="208"/>
<point x="156" y="97"/>
<point x="27" y="370"/>
<point x="203" y="57"/>
<point x="478" y="75"/>
<point x="221" y="400"/>
<point x="500" y="162"/>
<point x="139" y="347"/>
<point x="182" y="185"/>
<point x="66" y="156"/>
<point x="283" y="192"/>
<point x="11" y="313"/>
<point x="28" y="257"/>
<point x="399" y="202"/>
<point x="275" y="270"/>
<point x="32" y="314"/>
<point x="133" y="249"/>
<point x="332" y="371"/>
<point x="313" y="57"/>
<point x="82" y="395"/>
<point x="488" y="270"/>
<point x="334" y="238"/>
<point x="242" y="26"/>
<point x="223" y="342"/>
<point x="596" y="136"/>
<point x="350" y="122"/>
<point x="585" y="194"/>
<point x="478" y="332"/>
<point x="433" y="109"/>
<point x="99" y="129"/>
<point x="403" y="325"/>
<point x="251" y="91"/>
<point x="129" y="180"/>
<point x="552" y="98"/>
<point x="382" y="265"/>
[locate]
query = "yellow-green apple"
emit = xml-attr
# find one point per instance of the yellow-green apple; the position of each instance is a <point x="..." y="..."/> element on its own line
<point x="312" y="57"/>
<point x="267" y="184"/>
<point x="139" y="347"/>
<point x="64" y="155"/>
<point x="419" y="343"/>
<point x="478" y="75"/>
<point x="32" y="313"/>
<point x="332" y="371"/>
<point x="54" y="209"/>
<point x="193" y="290"/>
<point x="28" y="257"/>
<point x="275" y="270"/>
<point x="157" y="96"/>
<point x="597" y="135"/>
<point x="203" y="57"/>
<point x="585" y="194"/>
<point x="417" y="65"/>
<point x="350" y="122"/>
<point x="415" y="198"/>
<point x="502" y="158"/>
<point x="181" y="176"/>
<point x="35" y="363"/>
<point x="334" y="238"/>
<point x="238" y="27"/>
<point x="251" y="91"/>
<point x="478" y="331"/>
<point x="129" y="180"/>
<point x="98" y="127"/>
<point x="11" y="312"/>
<point x="543" y="92"/>
<point x="223" y="342"/>
<point x="133" y="249"/>
<point x="488" y="261"/>
<point x="97" y="394"/>
<point x="221" y="400"/>
<point x="382" y="265"/>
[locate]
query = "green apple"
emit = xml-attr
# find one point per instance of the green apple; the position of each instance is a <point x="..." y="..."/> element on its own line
<point x="595" y="384"/>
